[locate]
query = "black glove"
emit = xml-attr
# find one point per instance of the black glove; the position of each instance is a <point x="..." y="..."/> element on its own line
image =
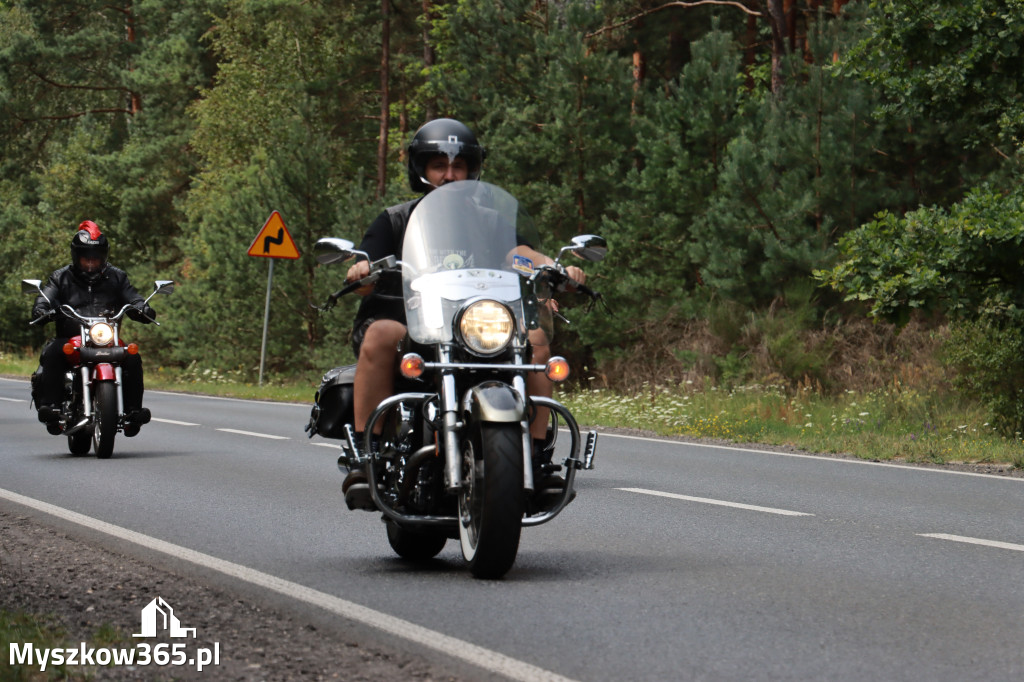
<point x="141" y="312"/>
<point x="42" y="311"/>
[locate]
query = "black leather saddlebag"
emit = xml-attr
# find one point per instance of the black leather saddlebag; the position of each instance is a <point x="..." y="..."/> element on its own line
<point x="332" y="407"/>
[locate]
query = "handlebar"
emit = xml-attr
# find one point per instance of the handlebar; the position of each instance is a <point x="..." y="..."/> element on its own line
<point x="34" y="286"/>
<point x="377" y="268"/>
<point x="555" y="276"/>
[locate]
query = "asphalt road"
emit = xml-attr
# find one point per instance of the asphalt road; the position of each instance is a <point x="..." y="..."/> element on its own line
<point x="675" y="562"/>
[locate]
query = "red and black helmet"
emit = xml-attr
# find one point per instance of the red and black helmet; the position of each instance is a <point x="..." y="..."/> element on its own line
<point x="89" y="243"/>
<point x="443" y="136"/>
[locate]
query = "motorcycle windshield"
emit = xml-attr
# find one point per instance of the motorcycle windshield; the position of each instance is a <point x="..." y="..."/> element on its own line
<point x="460" y="244"/>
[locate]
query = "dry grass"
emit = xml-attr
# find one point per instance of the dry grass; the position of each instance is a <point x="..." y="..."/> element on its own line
<point x="857" y="355"/>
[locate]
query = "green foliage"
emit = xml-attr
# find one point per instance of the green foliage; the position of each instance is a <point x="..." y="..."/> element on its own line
<point x="775" y="344"/>
<point x="92" y="126"/>
<point x="265" y="133"/>
<point x="964" y="261"/>
<point x="960" y="62"/>
<point x="533" y="101"/>
<point x="681" y="136"/>
<point x="180" y="126"/>
<point x="797" y="173"/>
<point x="987" y="356"/>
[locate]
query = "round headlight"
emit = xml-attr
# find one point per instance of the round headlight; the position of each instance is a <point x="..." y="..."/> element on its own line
<point x="102" y="334"/>
<point x="486" y="327"/>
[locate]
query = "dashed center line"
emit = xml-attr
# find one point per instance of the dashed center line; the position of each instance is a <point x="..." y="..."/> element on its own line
<point x="973" y="541"/>
<point x="720" y="503"/>
<point x="253" y="433"/>
<point x="174" y="421"/>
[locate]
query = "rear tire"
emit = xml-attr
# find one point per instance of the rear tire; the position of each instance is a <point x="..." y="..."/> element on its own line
<point x="415" y="545"/>
<point x="491" y="501"/>
<point x="105" y="414"/>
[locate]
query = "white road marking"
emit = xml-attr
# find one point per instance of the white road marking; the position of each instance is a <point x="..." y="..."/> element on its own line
<point x="818" y="458"/>
<point x="720" y="503"/>
<point x="475" y="655"/>
<point x="253" y="433"/>
<point x="973" y="541"/>
<point x="327" y="445"/>
<point x="173" y="421"/>
<point x="14" y="400"/>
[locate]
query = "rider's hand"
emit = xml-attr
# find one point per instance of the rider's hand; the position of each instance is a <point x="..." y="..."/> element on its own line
<point x="577" y="275"/>
<point x="141" y="313"/>
<point x="358" y="271"/>
<point x="43" y="311"/>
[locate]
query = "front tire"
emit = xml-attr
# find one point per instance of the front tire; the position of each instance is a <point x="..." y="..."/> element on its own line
<point x="415" y="545"/>
<point x="105" y="414"/>
<point x="491" y="501"/>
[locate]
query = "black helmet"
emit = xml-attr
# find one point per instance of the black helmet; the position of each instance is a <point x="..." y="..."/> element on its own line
<point x="89" y="242"/>
<point x="443" y="136"/>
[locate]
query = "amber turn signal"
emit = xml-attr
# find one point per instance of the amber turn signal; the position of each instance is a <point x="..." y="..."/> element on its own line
<point x="132" y="348"/>
<point x="68" y="349"/>
<point x="412" y="366"/>
<point x="557" y="369"/>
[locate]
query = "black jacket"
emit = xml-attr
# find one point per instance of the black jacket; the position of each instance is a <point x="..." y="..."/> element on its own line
<point x="107" y="294"/>
<point x="384" y="238"/>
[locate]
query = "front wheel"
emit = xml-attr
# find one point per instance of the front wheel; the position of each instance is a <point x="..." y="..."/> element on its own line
<point x="105" y="415"/>
<point x="491" y="501"/>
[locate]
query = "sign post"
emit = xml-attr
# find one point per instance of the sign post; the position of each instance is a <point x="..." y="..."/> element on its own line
<point x="273" y="241"/>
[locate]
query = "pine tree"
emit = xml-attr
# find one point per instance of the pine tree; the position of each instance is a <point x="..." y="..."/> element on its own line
<point x="288" y="127"/>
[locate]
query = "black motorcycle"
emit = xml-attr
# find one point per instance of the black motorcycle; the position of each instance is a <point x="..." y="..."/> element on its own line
<point x="456" y="459"/>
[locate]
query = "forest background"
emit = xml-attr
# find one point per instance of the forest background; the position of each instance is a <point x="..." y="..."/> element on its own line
<point x="816" y="195"/>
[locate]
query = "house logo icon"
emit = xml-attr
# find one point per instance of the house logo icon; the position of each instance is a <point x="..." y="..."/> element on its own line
<point x="159" y="616"/>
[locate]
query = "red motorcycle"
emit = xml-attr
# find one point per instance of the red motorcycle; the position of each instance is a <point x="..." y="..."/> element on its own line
<point x="92" y="410"/>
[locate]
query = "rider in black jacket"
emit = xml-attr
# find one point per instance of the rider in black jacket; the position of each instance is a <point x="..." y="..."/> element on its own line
<point x="91" y="286"/>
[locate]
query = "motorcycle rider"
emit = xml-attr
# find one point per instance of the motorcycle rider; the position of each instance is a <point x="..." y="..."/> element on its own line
<point x="91" y="286"/>
<point x="443" y="150"/>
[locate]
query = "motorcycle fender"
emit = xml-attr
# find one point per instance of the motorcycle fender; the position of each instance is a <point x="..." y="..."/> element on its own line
<point x="494" y="401"/>
<point x="103" y="372"/>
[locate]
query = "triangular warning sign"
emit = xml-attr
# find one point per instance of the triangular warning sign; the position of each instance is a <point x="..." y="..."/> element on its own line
<point x="273" y="241"/>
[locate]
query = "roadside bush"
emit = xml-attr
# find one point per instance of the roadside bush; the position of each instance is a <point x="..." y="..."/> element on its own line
<point x="987" y="358"/>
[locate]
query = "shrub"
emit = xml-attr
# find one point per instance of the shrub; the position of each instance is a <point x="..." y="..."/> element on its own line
<point x="987" y="358"/>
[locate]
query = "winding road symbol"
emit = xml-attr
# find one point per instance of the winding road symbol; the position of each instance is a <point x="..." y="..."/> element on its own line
<point x="274" y="241"/>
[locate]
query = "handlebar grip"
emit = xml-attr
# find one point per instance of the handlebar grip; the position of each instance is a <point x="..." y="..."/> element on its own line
<point x="583" y="289"/>
<point x="350" y="287"/>
<point x="347" y="289"/>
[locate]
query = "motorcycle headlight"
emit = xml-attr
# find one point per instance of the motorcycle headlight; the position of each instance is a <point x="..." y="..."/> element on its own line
<point x="102" y="334"/>
<point x="486" y="327"/>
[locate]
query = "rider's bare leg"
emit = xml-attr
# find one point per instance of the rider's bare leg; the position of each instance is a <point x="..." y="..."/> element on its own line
<point x="538" y="384"/>
<point x="375" y="369"/>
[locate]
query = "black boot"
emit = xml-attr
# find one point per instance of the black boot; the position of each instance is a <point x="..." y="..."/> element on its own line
<point x="134" y="419"/>
<point x="50" y="415"/>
